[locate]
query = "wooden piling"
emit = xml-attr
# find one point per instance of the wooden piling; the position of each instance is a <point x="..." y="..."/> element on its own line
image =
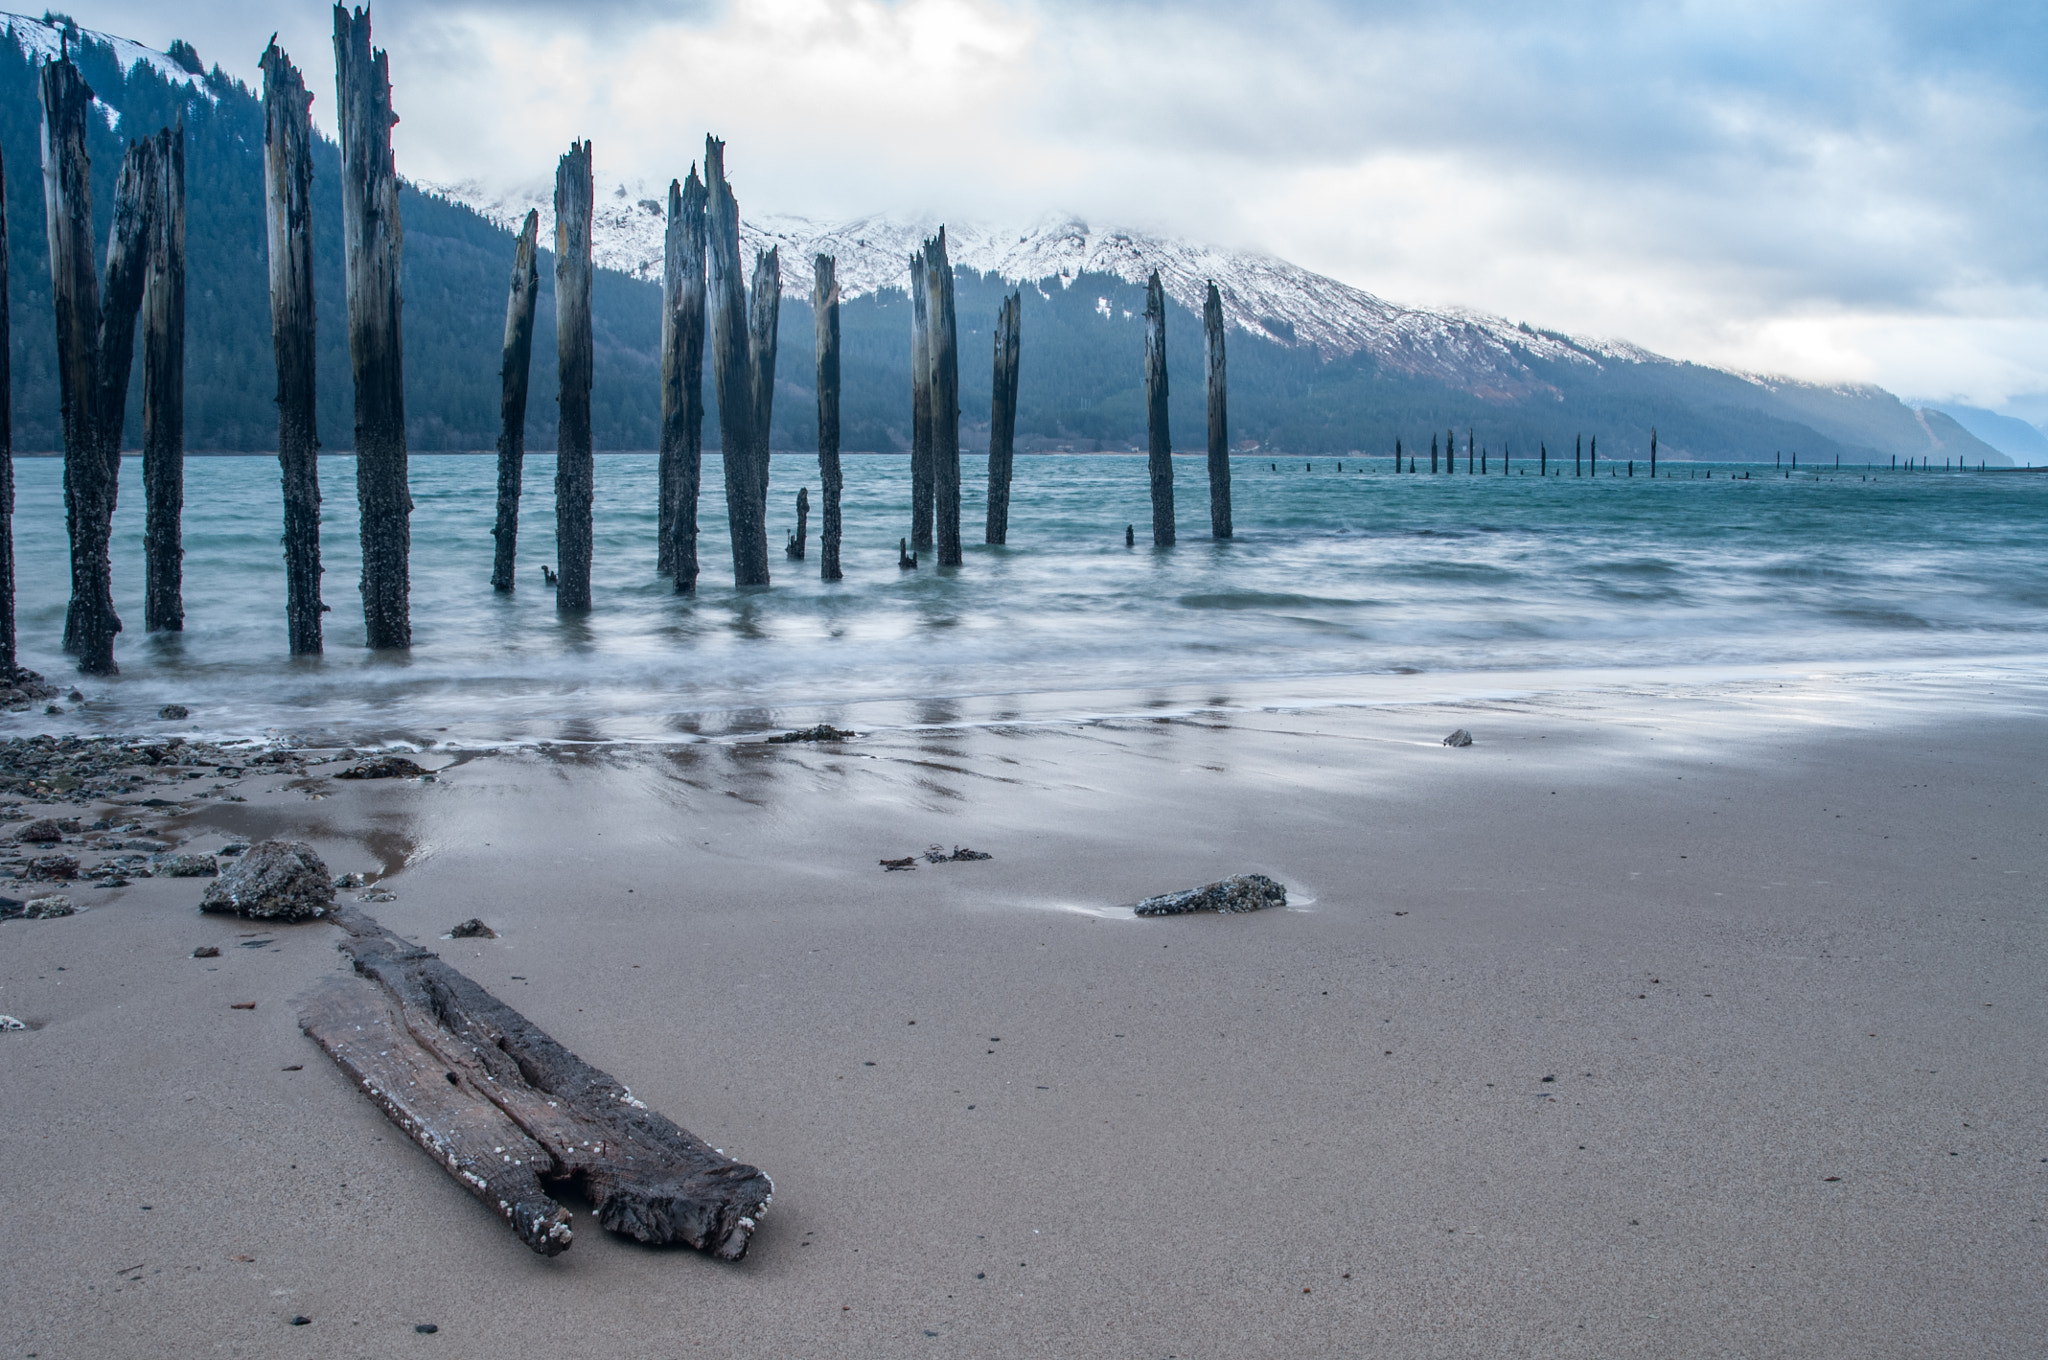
<point x="1593" y="457"/>
<point x="514" y="372"/>
<point x="825" y="316"/>
<point x="1432" y="452"/>
<point x="372" y="240"/>
<point x="1160" y="462"/>
<point x="163" y="393"/>
<point x="945" y="370"/>
<point x="920" y="405"/>
<point x="764" y="314"/>
<point x="1002" y="418"/>
<point x="288" y="225"/>
<point x="1578" y="453"/>
<point x="726" y="314"/>
<point x="1397" y="453"/>
<point x="681" y="471"/>
<point x="1542" y="459"/>
<point x="1219" y="417"/>
<point x="575" y="467"/>
<point x="800" y="537"/>
<point x="8" y="659"/>
<point x="95" y="344"/>
<point x="1653" y="451"/>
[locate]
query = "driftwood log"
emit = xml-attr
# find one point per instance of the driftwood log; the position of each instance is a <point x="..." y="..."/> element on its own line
<point x="8" y="661"/>
<point x="1160" y="463"/>
<point x="1002" y="418"/>
<point x="372" y="240"/>
<point x="507" y="1110"/>
<point x="764" y="316"/>
<point x="95" y="344"/>
<point x="731" y="371"/>
<point x="825" y="313"/>
<point x="1219" y="418"/>
<point x="944" y="357"/>
<point x="575" y="468"/>
<point x="920" y="405"/>
<point x="681" y="471"/>
<point x="163" y="394"/>
<point x="515" y="370"/>
<point x="288" y="220"/>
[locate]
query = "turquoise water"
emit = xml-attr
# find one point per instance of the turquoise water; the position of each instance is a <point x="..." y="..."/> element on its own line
<point x="1359" y="573"/>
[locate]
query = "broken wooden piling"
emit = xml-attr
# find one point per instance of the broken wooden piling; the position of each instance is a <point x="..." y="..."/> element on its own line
<point x="825" y="319"/>
<point x="288" y="227"/>
<point x="681" y="473"/>
<point x="943" y="353"/>
<point x="1002" y="417"/>
<point x="515" y="368"/>
<point x="1219" y="418"/>
<point x="95" y="344"/>
<point x="575" y="467"/>
<point x="798" y="537"/>
<point x="764" y="316"/>
<point x="163" y="393"/>
<point x="1159" y="462"/>
<point x="1653" y="452"/>
<point x="732" y="373"/>
<point x="8" y="662"/>
<point x="509" y="1112"/>
<point x="372" y="239"/>
<point x="920" y="404"/>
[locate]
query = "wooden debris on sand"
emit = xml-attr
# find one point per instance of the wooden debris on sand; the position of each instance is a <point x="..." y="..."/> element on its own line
<point x="508" y="1111"/>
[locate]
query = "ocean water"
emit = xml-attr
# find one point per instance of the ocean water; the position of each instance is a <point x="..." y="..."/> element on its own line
<point x="1351" y="585"/>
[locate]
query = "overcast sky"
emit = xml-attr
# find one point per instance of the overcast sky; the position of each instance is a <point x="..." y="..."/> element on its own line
<point x="1847" y="190"/>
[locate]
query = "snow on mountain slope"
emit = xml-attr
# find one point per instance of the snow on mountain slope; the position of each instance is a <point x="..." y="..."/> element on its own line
<point x="1268" y="297"/>
<point x="43" y="41"/>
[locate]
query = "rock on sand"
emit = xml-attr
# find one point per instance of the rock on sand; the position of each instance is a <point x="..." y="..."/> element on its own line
<point x="273" y="881"/>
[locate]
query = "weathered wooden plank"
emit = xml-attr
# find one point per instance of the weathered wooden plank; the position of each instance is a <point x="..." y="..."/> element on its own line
<point x="515" y="369"/>
<point x="8" y="660"/>
<point x="732" y="370"/>
<point x="1002" y="419"/>
<point x="681" y="472"/>
<point x="945" y="366"/>
<point x="764" y="313"/>
<point x="647" y="1177"/>
<point x="163" y="394"/>
<point x="1219" y="417"/>
<point x="825" y="315"/>
<point x="359" y="1026"/>
<point x="1160" y="462"/>
<point x="920" y="404"/>
<point x="288" y="223"/>
<point x="372" y="243"/>
<point x="575" y="468"/>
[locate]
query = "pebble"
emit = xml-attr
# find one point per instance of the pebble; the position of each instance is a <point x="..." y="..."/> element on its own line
<point x="1459" y="738"/>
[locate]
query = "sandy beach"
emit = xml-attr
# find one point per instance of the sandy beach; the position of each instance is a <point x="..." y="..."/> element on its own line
<point x="1663" y="1020"/>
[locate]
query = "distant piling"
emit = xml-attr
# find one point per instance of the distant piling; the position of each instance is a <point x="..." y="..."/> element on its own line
<point x="945" y="367"/>
<point x="1159" y="464"/>
<point x="515" y="367"/>
<point x="680" y="470"/>
<point x="1432" y="452"/>
<point x="1593" y="456"/>
<point x="1653" y="453"/>
<point x="1397" y="453"/>
<point x="825" y="316"/>
<point x="1219" y="418"/>
<point x="799" y="537"/>
<point x="920" y="405"/>
<point x="1542" y="459"/>
<point x="288" y="223"/>
<point x="575" y="468"/>
<point x="371" y="237"/>
<point x="163" y="394"/>
<point x="1002" y="417"/>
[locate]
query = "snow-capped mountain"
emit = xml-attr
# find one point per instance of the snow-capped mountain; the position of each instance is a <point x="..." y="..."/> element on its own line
<point x="1263" y="295"/>
<point x="43" y="40"/>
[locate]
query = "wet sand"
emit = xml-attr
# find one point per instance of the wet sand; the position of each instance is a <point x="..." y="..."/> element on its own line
<point x="1651" y="1024"/>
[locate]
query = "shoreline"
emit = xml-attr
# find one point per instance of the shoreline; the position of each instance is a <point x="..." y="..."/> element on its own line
<point x="1324" y="1129"/>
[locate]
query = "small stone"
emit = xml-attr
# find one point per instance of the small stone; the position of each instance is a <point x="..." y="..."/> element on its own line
<point x="425" y="1328"/>
<point x="42" y="831"/>
<point x="48" y="908"/>
<point x="9" y="1022"/>
<point x="301" y="1320"/>
<point x="51" y="868"/>
<point x="207" y="951"/>
<point x="822" y="732"/>
<point x="346" y="881"/>
<point x="1240" y="893"/>
<point x="233" y="848"/>
<point x="472" y="929"/>
<point x="376" y="895"/>
<point x="174" y="713"/>
<point x="382" y="767"/>
<point x="1459" y="738"/>
<point x="274" y="880"/>
<point x="186" y="866"/>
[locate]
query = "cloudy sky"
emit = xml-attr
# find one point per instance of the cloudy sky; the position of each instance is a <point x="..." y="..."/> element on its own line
<point x="1837" y="190"/>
